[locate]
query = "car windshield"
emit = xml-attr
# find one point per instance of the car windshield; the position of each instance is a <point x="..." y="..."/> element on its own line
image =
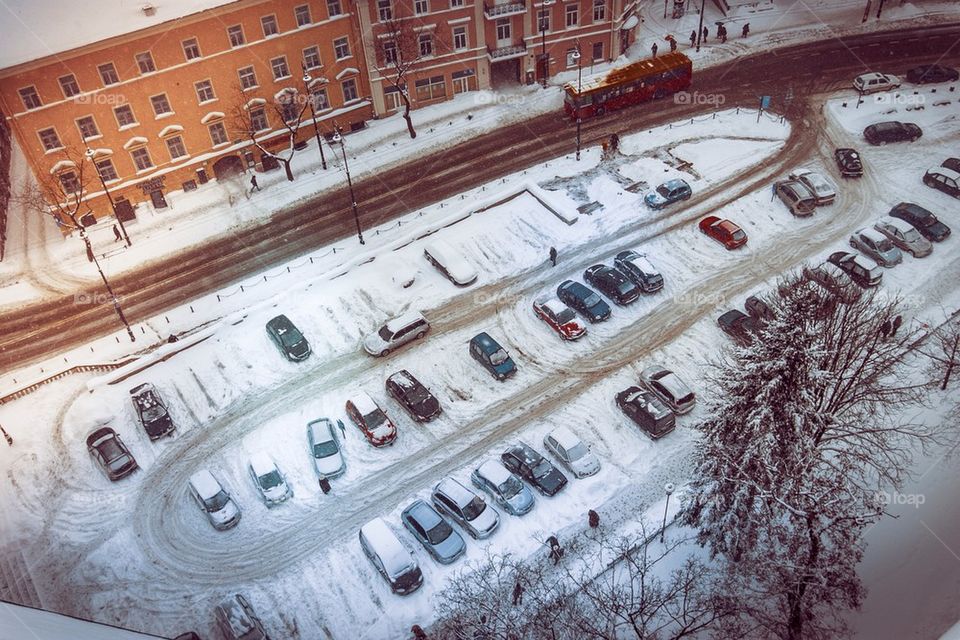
<point x="217" y="502"/>
<point x="385" y="333"/>
<point x="110" y="449"/>
<point x="474" y="508"/>
<point x="118" y="463"/>
<point x="416" y="394"/>
<point x="911" y="235"/>
<point x="739" y="235"/>
<point x="498" y="357"/>
<point x="324" y="449"/>
<point x="374" y="419"/>
<point x="543" y="468"/>
<point x="153" y="412"/>
<point x="565" y="316"/>
<point x="884" y="244"/>
<point x="591" y="300"/>
<point x="509" y="487"/>
<point x="578" y="451"/>
<point x="625" y="287"/>
<point x="439" y="533"/>
<point x="686" y="399"/>
<point x="664" y="191"/>
<point x="270" y="480"/>
<point x="290" y="337"/>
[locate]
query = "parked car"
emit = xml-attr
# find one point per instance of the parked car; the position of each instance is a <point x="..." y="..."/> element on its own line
<point x="932" y="73"/>
<point x="572" y="452"/>
<point x="415" y="398"/>
<point x="524" y="461"/>
<point x="951" y="163"/>
<point x="647" y="411"/>
<point x="723" y="231"/>
<point x="922" y="220"/>
<point x="236" y="620"/>
<point x="450" y="262"/>
<point x="834" y="280"/>
<point x="943" y="179"/>
<point x="108" y="450"/>
<point x="667" y="193"/>
<point x="873" y="82"/>
<point x="738" y="325"/>
<point x="758" y="309"/>
<point x="558" y="317"/>
<point x="466" y="508"/>
<point x="433" y="532"/>
<point x="799" y="199"/>
<point x="213" y="500"/>
<point x="288" y="338"/>
<point x="822" y="189"/>
<point x="152" y="413"/>
<point x="877" y="246"/>
<point x="638" y="268"/>
<point x="492" y="356"/>
<point x="583" y="300"/>
<point x="861" y="269"/>
<point x="325" y="451"/>
<point x="849" y="162"/>
<point x="376" y="426"/>
<point x="391" y="557"/>
<point x="612" y="283"/>
<point x="396" y="333"/>
<point x="504" y="487"/>
<point x="668" y="386"/>
<point x="267" y="477"/>
<point x="904" y="236"/>
<point x="883" y="132"/>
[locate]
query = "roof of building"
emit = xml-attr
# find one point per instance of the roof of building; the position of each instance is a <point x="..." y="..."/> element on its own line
<point x="17" y="621"/>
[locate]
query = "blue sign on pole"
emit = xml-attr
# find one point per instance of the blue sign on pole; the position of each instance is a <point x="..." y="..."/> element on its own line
<point x="764" y="102"/>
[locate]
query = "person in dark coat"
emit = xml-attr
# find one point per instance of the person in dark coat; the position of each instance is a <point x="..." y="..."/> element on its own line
<point x="116" y="234"/>
<point x="654" y="49"/>
<point x="556" y="551"/>
<point x="886" y="328"/>
<point x="593" y="519"/>
<point x="705" y="32"/>
<point x="745" y="31"/>
<point x="553" y="256"/>
<point x="517" y="593"/>
<point x="895" y="326"/>
<point x="673" y="43"/>
<point x="324" y="485"/>
<point x="693" y="38"/>
<point x="253" y="184"/>
<point x="418" y="632"/>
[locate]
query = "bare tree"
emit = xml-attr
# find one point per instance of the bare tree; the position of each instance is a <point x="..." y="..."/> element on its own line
<point x="943" y="349"/>
<point x="248" y="117"/>
<point x="62" y="194"/>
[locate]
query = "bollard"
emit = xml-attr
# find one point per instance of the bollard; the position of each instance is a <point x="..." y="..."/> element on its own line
<point x="114" y="337"/>
<point x="65" y="359"/>
<point x="241" y="289"/>
<point x="288" y="269"/>
<point x="191" y="309"/>
<point x="91" y="349"/>
<point x="218" y="297"/>
<point x="264" y="278"/>
<point x="167" y="319"/>
<point x="142" y="330"/>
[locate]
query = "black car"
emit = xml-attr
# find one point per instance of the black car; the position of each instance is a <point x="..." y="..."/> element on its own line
<point x="612" y="283"/>
<point x="931" y="73"/>
<point x="952" y="164"/>
<point x="151" y="411"/>
<point x="288" y="338"/>
<point x="491" y="356"/>
<point x="638" y="268"/>
<point x="522" y="460"/>
<point x="583" y="300"/>
<point x="943" y="179"/>
<point x="849" y="162"/>
<point x="738" y="326"/>
<point x="924" y="221"/>
<point x="413" y="396"/>
<point x="108" y="449"/>
<point x="892" y="131"/>
<point x="758" y="309"/>
<point x="647" y="411"/>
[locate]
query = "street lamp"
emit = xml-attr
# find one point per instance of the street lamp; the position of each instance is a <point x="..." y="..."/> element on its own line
<point x="669" y="489"/>
<point x="90" y="153"/>
<point x="113" y="297"/>
<point x="700" y="29"/>
<point x="338" y="139"/>
<point x="576" y="56"/>
<point x="544" y="22"/>
<point x="307" y="79"/>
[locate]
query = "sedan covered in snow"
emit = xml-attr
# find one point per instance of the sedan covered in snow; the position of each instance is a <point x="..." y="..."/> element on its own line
<point x="612" y="283"/>
<point x="667" y="193"/>
<point x="324" y="447"/>
<point x="668" y="386"/>
<point x="376" y="426"/>
<point x="151" y="411"/>
<point x="723" y="231"/>
<point x="738" y="326"/>
<point x="861" y="269"/>
<point x="450" y="262"/>
<point x="943" y="179"/>
<point x="288" y="338"/>
<point x="849" y="162"/>
<point x="584" y="300"/>
<point x="396" y="333"/>
<point x="413" y="396"/>
<point x="466" y="508"/>
<point x="215" y="502"/>
<point x="524" y="461"/>
<point x="638" y="268"/>
<point x="572" y="452"/>
<point x="108" y="450"/>
<point x="236" y="620"/>
<point x="268" y="479"/>
<point x="922" y="220"/>
<point x="504" y="487"/>
<point x="822" y="189"/>
<point x="558" y="317"/>
<point x="904" y="236"/>
<point x="876" y="245"/>
<point x="799" y="199"/>
<point x="834" y="281"/>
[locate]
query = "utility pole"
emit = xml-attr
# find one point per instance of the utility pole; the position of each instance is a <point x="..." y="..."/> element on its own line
<point x="879" y="9"/>
<point x="703" y="5"/>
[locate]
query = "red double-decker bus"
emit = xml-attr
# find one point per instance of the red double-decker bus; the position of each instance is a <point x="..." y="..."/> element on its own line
<point x="621" y="87"/>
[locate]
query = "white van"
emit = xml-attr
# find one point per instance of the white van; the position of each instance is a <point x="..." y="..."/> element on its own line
<point x="391" y="557"/>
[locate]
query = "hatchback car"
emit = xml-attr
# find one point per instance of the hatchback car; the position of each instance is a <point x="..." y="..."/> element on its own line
<point x="572" y="452"/>
<point x="738" y="326"/>
<point x="951" y="163"/>
<point x="584" y="300"/>
<point x="450" y="262"/>
<point x="268" y="479"/>
<point x="873" y="82"/>
<point x="433" y="532"/>
<point x="799" y="199"/>
<point x="849" y="162"/>
<point x="415" y="398"/>
<point x="151" y="411"/>
<point x="612" y="283"/>
<point x="492" y="356"/>
<point x="834" y="281"/>
<point x="396" y="333"/>
<point x="391" y="557"/>
<point x="822" y="189"/>
<point x="876" y="245"/>
<point x="893" y="131"/>
<point x="466" y="508"/>
<point x="108" y="450"/>
<point x="922" y="220"/>
<point x="667" y="193"/>
<point x="861" y="269"/>
<point x="932" y="73"/>
<point x="638" y="268"/>
<point x="723" y="231"/>
<point x="504" y="487"/>
<point x="668" y="386"/>
<point x="904" y="236"/>
<point x="236" y="620"/>
<point x="647" y="411"/>
<point x="324" y="447"/>
<point x="758" y="309"/>
<point x="376" y="426"/>
<point x="210" y="496"/>
<point x="288" y="338"/>
<point x="559" y="317"/>
<point x="943" y="179"/>
<point x="524" y="461"/>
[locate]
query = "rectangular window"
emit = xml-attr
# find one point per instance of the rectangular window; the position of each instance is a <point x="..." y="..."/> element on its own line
<point x="49" y="139"/>
<point x="30" y="97"/>
<point x="465" y="80"/>
<point x="599" y="10"/>
<point x="393" y="98"/>
<point x="191" y="48"/>
<point x="543" y="20"/>
<point x="204" y="90"/>
<point x="87" y="127"/>
<point x="248" y="78"/>
<point x="384" y="10"/>
<point x="349" y="90"/>
<point x="341" y="48"/>
<point x="459" y="38"/>
<point x="269" y="24"/>
<point x="124" y="115"/>
<point x="145" y="62"/>
<point x="597" y="51"/>
<point x="218" y="133"/>
<point x="503" y="29"/>
<point x="176" y="148"/>
<point x="425" y="40"/>
<point x="235" y="33"/>
<point x="389" y="52"/>
<point x="280" y="68"/>
<point x="108" y="74"/>
<point x="573" y="15"/>
<point x="258" y="120"/>
<point x="69" y="86"/>
<point x="160" y="104"/>
<point x="311" y="58"/>
<point x="320" y="100"/>
<point x="69" y="182"/>
<point x="302" y="14"/>
<point x="456" y="3"/>
<point x="333" y="8"/>
<point x="421" y="6"/>
<point x="430" y="89"/>
<point x="141" y="159"/>
<point x="106" y="170"/>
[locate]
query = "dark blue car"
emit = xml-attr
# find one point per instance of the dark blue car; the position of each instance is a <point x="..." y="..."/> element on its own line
<point x="583" y="300"/>
<point x="492" y="356"/>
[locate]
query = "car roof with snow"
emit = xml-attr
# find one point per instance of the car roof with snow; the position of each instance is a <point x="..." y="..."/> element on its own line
<point x="404" y="320"/>
<point x="494" y="471"/>
<point x="945" y="172"/>
<point x="235" y="616"/>
<point x="364" y="403"/>
<point x="262" y="463"/>
<point x="486" y="343"/>
<point x="641" y="262"/>
<point x="455" y="491"/>
<point x="897" y="223"/>
<point x="205" y="484"/>
<point x="674" y="183"/>
<point x="553" y="304"/>
<point x="872" y="234"/>
<point x="403" y="378"/>
<point x="650" y="403"/>
<point x="386" y="543"/>
<point x="865" y="261"/>
<point x="565" y="438"/>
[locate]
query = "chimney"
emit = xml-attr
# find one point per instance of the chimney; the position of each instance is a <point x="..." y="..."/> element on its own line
<point x="149" y="10"/>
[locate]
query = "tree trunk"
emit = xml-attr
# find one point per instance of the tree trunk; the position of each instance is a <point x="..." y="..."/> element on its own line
<point x="286" y="167"/>
<point x="406" y="116"/>
<point x="951" y="361"/>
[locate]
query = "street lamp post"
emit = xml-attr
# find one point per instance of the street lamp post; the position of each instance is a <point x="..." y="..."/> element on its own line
<point x="338" y="139"/>
<point x="544" y="60"/>
<point x="113" y="297"/>
<point x="703" y="5"/>
<point x="669" y="489"/>
<point x="307" y="79"/>
<point x="113" y="206"/>
<point x="576" y="56"/>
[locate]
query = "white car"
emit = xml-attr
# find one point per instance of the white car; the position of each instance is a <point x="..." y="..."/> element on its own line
<point x="572" y="452"/>
<point x="823" y="190"/>
<point x="873" y="82"/>
<point x="450" y="262"/>
<point x="214" y="500"/>
<point x="325" y="449"/>
<point x="268" y="479"/>
<point x="904" y="235"/>
<point x="395" y="333"/>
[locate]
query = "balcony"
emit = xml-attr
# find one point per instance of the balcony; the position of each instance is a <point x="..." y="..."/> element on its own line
<point x="504" y="9"/>
<point x="507" y="53"/>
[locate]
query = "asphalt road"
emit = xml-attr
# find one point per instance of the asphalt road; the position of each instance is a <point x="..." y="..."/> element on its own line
<point x="40" y="330"/>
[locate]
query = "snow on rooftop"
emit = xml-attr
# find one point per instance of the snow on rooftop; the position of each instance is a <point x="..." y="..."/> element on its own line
<point x="205" y="484"/>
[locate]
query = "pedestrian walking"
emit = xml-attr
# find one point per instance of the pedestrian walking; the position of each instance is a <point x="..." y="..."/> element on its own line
<point x="324" y="485"/>
<point x="517" y="593"/>
<point x="705" y="32"/>
<point x="116" y="234"/>
<point x="895" y="326"/>
<point x="253" y="184"/>
<point x="556" y="551"/>
<point x="6" y="436"/>
<point x="418" y="632"/>
<point x="614" y="142"/>
<point x="654" y="49"/>
<point x="722" y="33"/>
<point x="745" y="31"/>
<point x="886" y="328"/>
<point x="673" y="43"/>
<point x="553" y="256"/>
<point x="693" y="38"/>
<point x="593" y="518"/>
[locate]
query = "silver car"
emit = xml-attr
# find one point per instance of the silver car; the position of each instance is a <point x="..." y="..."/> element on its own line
<point x="876" y="245"/>
<point x="822" y="189"/>
<point x="504" y="487"/>
<point x="466" y="508"/>
<point x="268" y="479"/>
<point x="325" y="449"/>
<point x="435" y="534"/>
<point x="797" y="196"/>
<point x="667" y="386"/>
<point x="572" y="452"/>
<point x="904" y="236"/>
<point x="396" y="333"/>
<point x="213" y="500"/>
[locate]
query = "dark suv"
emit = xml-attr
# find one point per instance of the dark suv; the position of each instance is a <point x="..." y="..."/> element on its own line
<point x="893" y="131"/>
<point x="583" y="300"/>
<point x="151" y="411"/>
<point x="524" y="461"/>
<point x="924" y="221"/>
<point x="612" y="283"/>
<point x="492" y="356"/>
<point x="638" y="268"/>
<point x="288" y="338"/>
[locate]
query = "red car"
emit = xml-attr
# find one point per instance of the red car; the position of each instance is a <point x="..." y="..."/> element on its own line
<point x="559" y="316"/>
<point x="723" y="231"/>
<point x="373" y="422"/>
